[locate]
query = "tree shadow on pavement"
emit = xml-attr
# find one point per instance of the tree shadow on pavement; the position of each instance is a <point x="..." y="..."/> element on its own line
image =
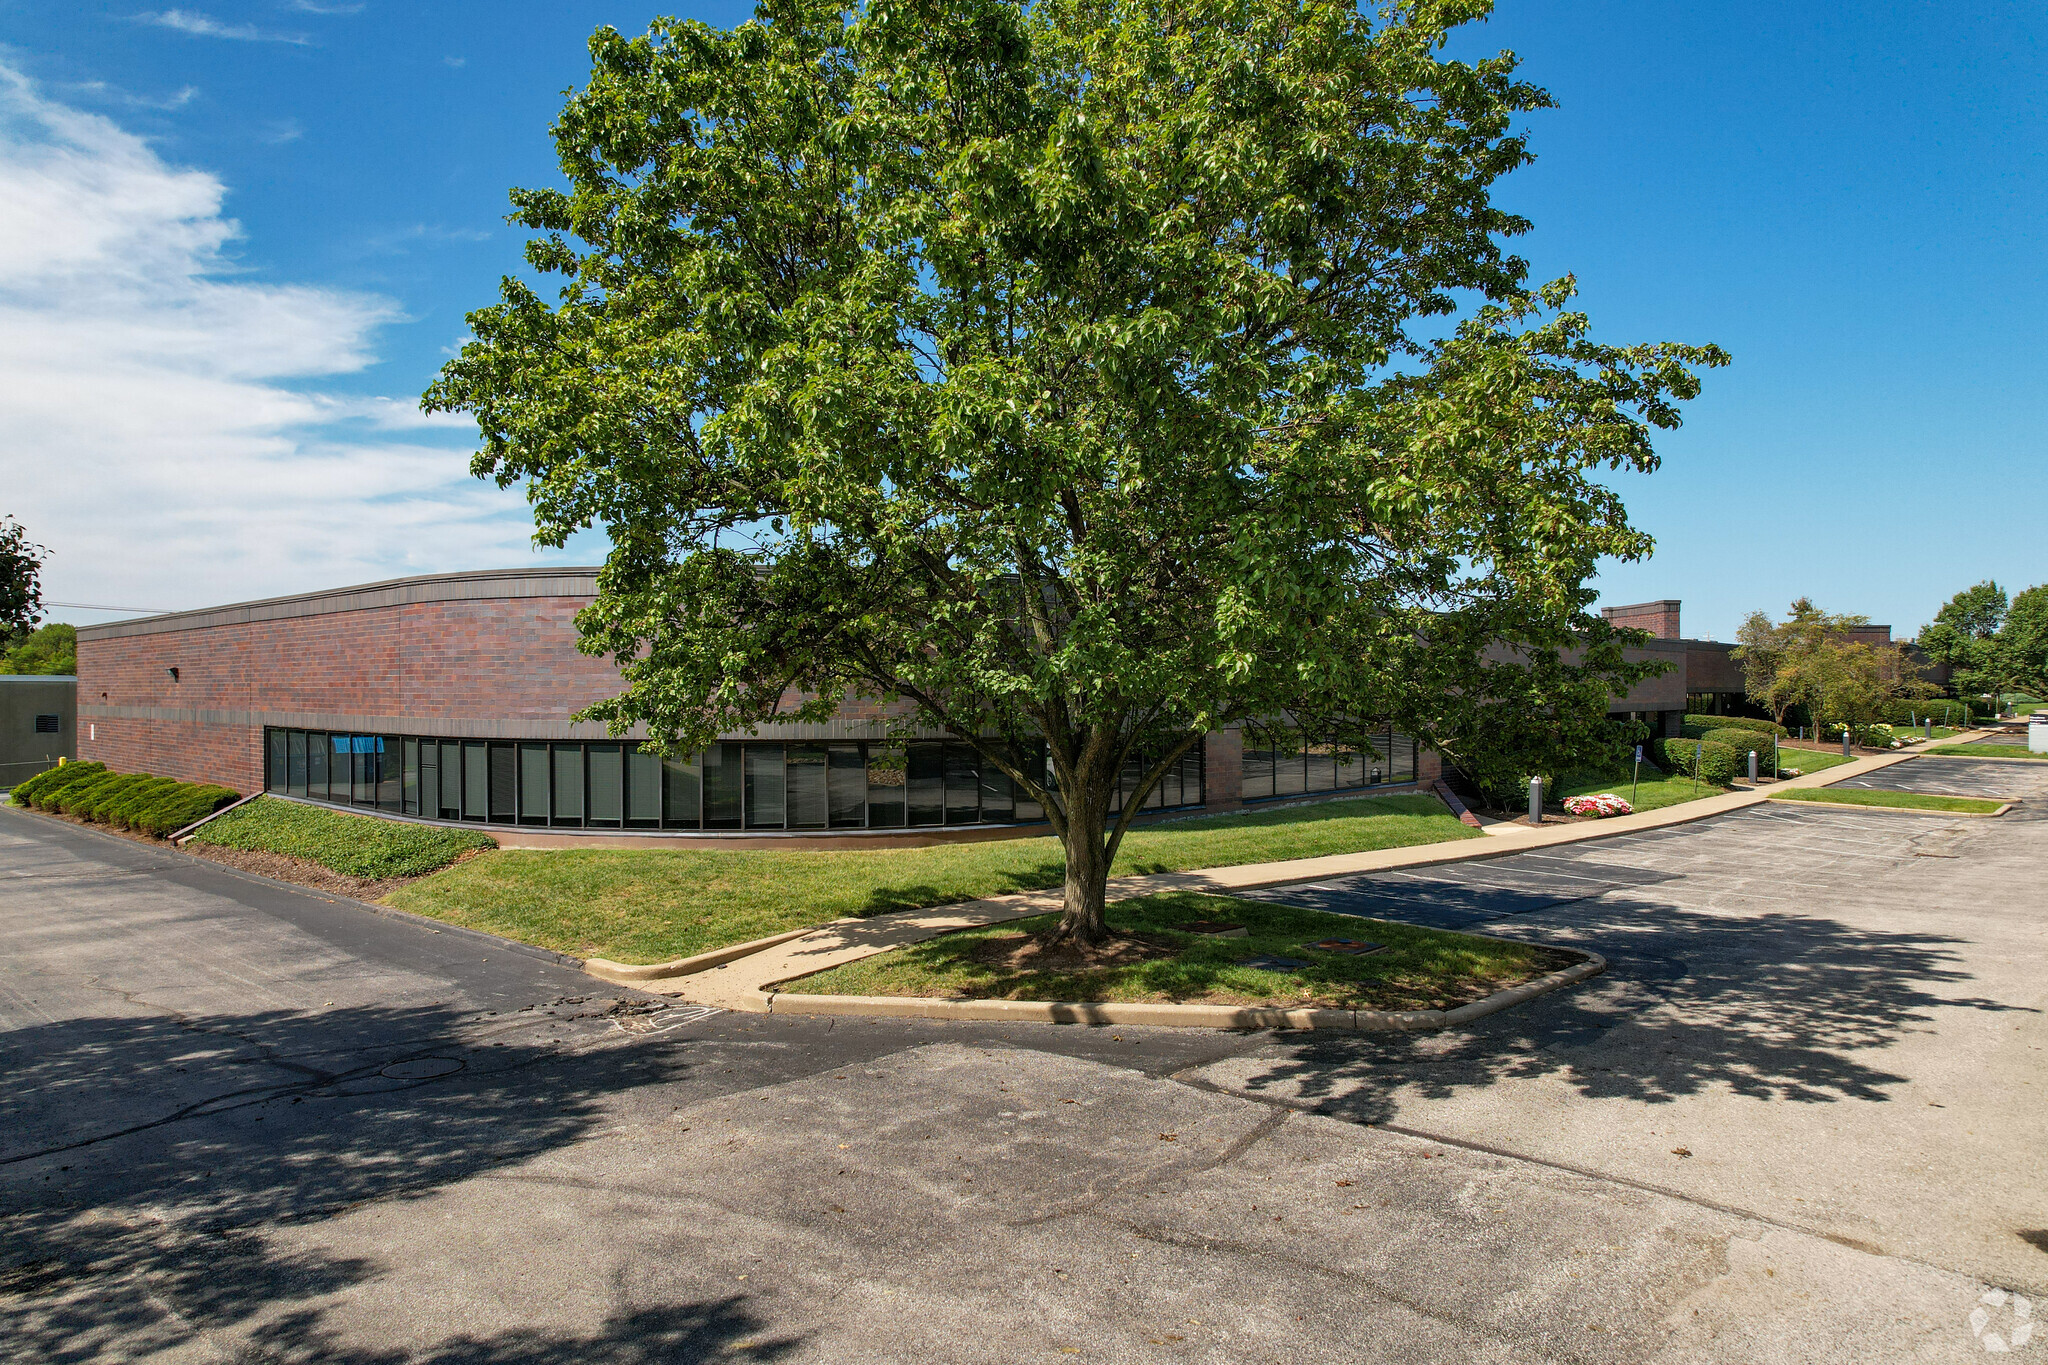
<point x="1777" y="1007"/>
<point x="140" y="1159"/>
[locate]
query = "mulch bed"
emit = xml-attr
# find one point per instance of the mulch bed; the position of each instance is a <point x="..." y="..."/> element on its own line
<point x="298" y="871"/>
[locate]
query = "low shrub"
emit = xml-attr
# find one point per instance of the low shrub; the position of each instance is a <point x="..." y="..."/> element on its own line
<point x="1698" y="727"/>
<point x="1742" y="741"/>
<point x="355" y="845"/>
<point x="55" y="779"/>
<point x="154" y="805"/>
<point x="1709" y="761"/>
<point x="1875" y="736"/>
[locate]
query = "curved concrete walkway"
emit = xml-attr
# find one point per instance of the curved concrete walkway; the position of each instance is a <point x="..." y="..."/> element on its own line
<point x="749" y="983"/>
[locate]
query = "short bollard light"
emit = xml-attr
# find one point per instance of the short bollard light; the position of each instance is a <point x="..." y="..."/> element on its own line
<point x="1535" y="800"/>
<point x="1845" y="743"/>
<point x="1752" y="767"/>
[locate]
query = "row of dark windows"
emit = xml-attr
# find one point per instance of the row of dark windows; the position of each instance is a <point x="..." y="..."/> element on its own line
<point x="728" y="786"/>
<point x="1279" y="762"/>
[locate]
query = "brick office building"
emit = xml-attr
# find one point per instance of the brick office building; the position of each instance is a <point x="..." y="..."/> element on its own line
<point x="449" y="698"/>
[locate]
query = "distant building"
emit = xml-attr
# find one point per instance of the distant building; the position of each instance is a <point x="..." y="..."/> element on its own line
<point x="38" y="724"/>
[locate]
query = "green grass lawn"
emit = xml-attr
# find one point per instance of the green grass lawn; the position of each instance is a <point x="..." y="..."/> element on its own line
<point x="633" y="906"/>
<point x="1858" y="796"/>
<point x="356" y="845"/>
<point x="1656" y="791"/>
<point x="1419" y="969"/>
<point x="1982" y="751"/>
<point x="1810" y="760"/>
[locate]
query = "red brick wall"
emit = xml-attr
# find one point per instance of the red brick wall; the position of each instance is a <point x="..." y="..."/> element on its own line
<point x="1658" y="618"/>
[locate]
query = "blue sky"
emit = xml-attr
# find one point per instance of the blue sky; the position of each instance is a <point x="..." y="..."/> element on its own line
<point x="237" y="239"/>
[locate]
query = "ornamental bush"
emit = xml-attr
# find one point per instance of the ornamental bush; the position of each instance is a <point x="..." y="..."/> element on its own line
<point x="1601" y="805"/>
<point x="156" y="806"/>
<point x="1709" y="761"/>
<point x="1742" y="741"/>
<point x="52" y="780"/>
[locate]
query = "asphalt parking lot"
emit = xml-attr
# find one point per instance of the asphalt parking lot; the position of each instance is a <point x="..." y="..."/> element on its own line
<point x="1799" y="1119"/>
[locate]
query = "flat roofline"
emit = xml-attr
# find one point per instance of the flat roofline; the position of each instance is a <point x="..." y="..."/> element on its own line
<point x="468" y="585"/>
<point x="38" y="677"/>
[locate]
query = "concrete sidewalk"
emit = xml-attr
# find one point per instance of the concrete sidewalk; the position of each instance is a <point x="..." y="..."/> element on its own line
<point x="748" y="983"/>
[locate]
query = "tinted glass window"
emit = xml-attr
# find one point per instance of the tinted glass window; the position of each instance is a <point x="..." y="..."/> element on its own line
<point x="1258" y="768"/>
<point x="765" y="803"/>
<point x="412" y="777"/>
<point x="273" y="745"/>
<point x="963" y="784"/>
<point x="723" y="785"/>
<point x="533" y="784"/>
<point x="643" y="788"/>
<point x="451" y="781"/>
<point x="476" y="782"/>
<point x="568" y="784"/>
<point x="1027" y="807"/>
<point x="846" y="786"/>
<point x="887" y="772"/>
<point x="805" y="777"/>
<point x="685" y="781"/>
<point x="925" y="784"/>
<point x="295" y="763"/>
<point x="1322" y="766"/>
<point x="607" y="785"/>
<point x="997" y="805"/>
<point x="504" y="785"/>
<point x="316" y="765"/>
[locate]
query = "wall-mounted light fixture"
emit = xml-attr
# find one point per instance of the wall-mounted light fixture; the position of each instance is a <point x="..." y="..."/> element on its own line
<point x="174" y="675"/>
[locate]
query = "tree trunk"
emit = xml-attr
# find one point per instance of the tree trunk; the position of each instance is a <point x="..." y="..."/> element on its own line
<point x="1086" y="888"/>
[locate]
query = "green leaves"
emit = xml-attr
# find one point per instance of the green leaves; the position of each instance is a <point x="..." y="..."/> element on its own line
<point x="1063" y="371"/>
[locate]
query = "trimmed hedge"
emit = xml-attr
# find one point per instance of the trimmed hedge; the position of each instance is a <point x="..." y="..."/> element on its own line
<point x="52" y="780"/>
<point x="152" y="805"/>
<point x="1697" y="727"/>
<point x="1742" y="741"/>
<point x="356" y="845"/>
<point x="1708" y="760"/>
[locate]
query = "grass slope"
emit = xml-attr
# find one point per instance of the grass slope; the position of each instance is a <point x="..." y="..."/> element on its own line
<point x="1420" y="969"/>
<point x="356" y="845"/>
<point x="633" y="906"/>
<point x="1859" y="796"/>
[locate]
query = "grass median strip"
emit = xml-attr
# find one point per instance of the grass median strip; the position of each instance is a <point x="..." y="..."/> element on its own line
<point x="1411" y="969"/>
<point x="639" y="907"/>
<point x="1860" y="796"/>
<point x="1982" y="751"/>
<point x="353" y="845"/>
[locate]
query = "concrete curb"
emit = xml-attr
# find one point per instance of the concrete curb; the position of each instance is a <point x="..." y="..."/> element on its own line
<point x="1180" y="1016"/>
<point x="626" y="974"/>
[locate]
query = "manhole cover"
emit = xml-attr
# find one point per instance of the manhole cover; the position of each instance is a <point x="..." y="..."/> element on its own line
<point x="422" y="1068"/>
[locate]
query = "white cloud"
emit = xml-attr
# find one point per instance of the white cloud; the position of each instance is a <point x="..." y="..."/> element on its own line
<point x="161" y="429"/>
<point x="204" y="25"/>
<point x="314" y="7"/>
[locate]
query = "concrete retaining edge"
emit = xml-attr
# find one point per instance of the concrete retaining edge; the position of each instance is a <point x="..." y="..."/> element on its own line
<point x="1179" y="1016"/>
<point x="627" y="974"/>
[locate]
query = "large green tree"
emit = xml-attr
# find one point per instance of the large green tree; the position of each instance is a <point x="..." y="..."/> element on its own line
<point x="1084" y="373"/>
<point x="21" y="590"/>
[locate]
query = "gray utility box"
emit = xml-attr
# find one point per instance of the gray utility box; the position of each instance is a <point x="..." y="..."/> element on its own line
<point x="38" y="724"/>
